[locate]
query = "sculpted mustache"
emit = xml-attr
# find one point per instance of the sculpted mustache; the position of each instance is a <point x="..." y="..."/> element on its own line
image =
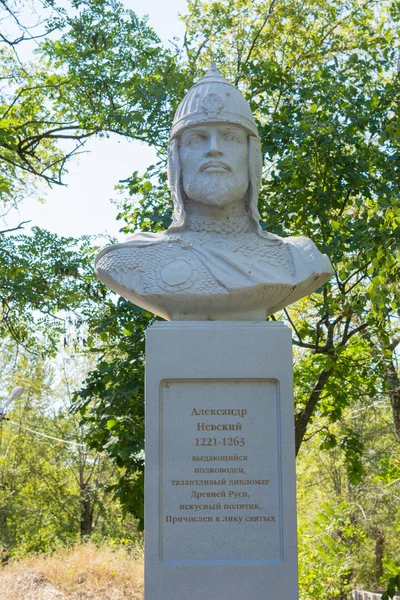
<point x="214" y="163"/>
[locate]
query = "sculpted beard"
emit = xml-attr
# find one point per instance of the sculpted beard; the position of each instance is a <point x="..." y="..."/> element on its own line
<point x="217" y="189"/>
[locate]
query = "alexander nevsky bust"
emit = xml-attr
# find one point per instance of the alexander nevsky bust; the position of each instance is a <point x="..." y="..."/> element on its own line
<point x="214" y="262"/>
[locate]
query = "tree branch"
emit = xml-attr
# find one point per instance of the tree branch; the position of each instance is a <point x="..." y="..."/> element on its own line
<point x="304" y="417"/>
<point x="394" y="343"/>
<point x="350" y="334"/>
<point x="23" y="38"/>
<point x="293" y="325"/>
<point x="20" y="226"/>
<point x="252" y="46"/>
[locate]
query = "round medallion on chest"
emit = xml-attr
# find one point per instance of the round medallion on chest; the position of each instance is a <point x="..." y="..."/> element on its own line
<point x="177" y="274"/>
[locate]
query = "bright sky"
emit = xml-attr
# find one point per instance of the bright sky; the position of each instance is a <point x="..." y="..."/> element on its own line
<point x="83" y="207"/>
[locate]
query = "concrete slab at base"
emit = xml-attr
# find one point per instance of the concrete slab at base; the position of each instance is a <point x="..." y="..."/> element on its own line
<point x="220" y="514"/>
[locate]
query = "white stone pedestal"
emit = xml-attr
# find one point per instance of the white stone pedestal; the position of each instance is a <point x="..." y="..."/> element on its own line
<point x="220" y="512"/>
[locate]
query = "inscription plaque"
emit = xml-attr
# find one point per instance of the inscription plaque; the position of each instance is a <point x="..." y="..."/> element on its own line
<point x="220" y="479"/>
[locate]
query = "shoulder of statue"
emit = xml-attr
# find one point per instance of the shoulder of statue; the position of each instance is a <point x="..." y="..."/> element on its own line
<point x="303" y="243"/>
<point x="141" y="239"/>
<point x="306" y="247"/>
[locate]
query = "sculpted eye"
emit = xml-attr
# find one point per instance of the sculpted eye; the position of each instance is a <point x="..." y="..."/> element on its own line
<point x="231" y="137"/>
<point x="195" y="139"/>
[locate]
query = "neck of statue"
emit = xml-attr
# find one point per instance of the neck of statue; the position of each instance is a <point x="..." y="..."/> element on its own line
<point x="233" y="209"/>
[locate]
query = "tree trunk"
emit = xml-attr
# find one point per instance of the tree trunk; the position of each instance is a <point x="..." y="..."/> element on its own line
<point x="304" y="417"/>
<point x="86" y="523"/>
<point x="379" y="552"/>
<point x="393" y="383"/>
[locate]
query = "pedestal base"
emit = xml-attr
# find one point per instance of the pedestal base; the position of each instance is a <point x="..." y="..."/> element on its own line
<point x="220" y="513"/>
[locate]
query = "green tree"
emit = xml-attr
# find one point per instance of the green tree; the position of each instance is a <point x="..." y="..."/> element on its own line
<point x="111" y="404"/>
<point x="349" y="520"/>
<point x="102" y="71"/>
<point x="53" y="489"/>
<point x="45" y="281"/>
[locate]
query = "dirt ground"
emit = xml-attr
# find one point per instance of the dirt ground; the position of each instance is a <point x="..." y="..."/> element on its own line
<point x="79" y="574"/>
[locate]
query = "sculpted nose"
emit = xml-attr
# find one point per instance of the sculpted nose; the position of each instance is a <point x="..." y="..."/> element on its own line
<point x="213" y="146"/>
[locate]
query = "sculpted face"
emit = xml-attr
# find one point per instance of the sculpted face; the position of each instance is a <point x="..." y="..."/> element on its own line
<point x="214" y="163"/>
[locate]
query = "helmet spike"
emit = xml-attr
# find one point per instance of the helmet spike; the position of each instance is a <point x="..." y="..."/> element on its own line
<point x="213" y="71"/>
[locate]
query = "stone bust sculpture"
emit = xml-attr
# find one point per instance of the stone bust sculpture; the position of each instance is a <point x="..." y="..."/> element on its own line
<point x="214" y="262"/>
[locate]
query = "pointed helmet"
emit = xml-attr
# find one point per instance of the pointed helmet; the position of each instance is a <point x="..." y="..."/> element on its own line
<point x="214" y="100"/>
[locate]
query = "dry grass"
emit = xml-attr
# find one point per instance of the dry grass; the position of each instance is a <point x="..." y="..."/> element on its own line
<point x="78" y="574"/>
